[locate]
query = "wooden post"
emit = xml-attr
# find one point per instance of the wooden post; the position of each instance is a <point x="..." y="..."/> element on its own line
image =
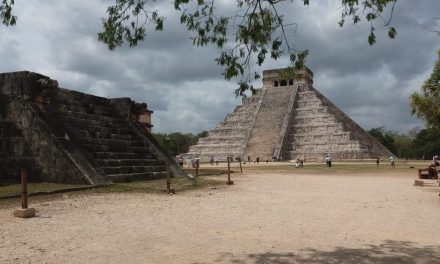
<point x="24" y="192"/>
<point x="229" y="173"/>
<point x="241" y="169"/>
<point x="197" y="168"/>
<point x="169" y="189"/>
<point x="24" y="212"/>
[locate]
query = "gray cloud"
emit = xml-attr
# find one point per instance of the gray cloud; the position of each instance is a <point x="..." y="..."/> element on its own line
<point x="183" y="84"/>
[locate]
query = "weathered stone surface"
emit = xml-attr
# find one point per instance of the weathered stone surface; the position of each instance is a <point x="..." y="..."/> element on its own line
<point x="287" y="119"/>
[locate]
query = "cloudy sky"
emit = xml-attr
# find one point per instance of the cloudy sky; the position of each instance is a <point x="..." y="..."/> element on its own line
<point x="183" y="84"/>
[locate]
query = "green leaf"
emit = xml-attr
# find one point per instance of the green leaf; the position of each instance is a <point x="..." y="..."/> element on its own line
<point x="392" y="33"/>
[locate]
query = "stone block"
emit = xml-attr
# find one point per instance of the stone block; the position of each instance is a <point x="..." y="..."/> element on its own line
<point x="419" y="183"/>
<point x="25" y="213"/>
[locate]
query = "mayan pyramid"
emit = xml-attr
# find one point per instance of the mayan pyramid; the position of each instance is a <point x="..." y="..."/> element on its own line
<point x="287" y="119"/>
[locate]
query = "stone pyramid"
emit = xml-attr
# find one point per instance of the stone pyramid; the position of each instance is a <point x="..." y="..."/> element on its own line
<point x="287" y="119"/>
<point x="65" y="136"/>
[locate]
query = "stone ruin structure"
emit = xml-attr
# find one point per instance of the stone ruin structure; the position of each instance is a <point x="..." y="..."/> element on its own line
<point x="287" y="119"/>
<point x="65" y="136"/>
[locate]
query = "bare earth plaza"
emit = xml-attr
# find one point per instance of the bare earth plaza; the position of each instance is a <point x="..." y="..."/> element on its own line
<point x="359" y="214"/>
<point x="241" y="131"/>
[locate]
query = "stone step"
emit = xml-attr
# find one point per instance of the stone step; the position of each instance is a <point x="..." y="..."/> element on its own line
<point x="309" y="103"/>
<point x="82" y="97"/>
<point x="84" y="105"/>
<point x="319" y="133"/>
<point x="311" y="117"/>
<point x="127" y="162"/>
<point x="103" y="130"/>
<point x="235" y="145"/>
<point x="137" y="176"/>
<point x="235" y="123"/>
<point x="82" y="109"/>
<point x="317" y="126"/>
<point x="225" y="137"/>
<point x="310" y="108"/>
<point x="132" y="169"/>
<point x="96" y="134"/>
<point x="239" y="118"/>
<point x="111" y="142"/>
<point x="79" y="122"/>
<point x="82" y="115"/>
<point x="121" y="155"/>
<point x="112" y="148"/>
<point x="305" y="92"/>
<point x="324" y="143"/>
<point x="224" y="141"/>
<point x="315" y="121"/>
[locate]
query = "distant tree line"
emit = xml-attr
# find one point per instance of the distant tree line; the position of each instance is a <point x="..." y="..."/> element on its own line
<point x="422" y="144"/>
<point x="177" y="142"/>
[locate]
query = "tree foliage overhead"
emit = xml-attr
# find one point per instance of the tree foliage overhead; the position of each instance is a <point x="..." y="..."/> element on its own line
<point x="257" y="30"/>
<point x="426" y="105"/>
<point x="6" y="16"/>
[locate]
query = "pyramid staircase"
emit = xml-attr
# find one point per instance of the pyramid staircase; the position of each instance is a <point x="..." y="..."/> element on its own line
<point x="229" y="137"/>
<point x="268" y="125"/>
<point x="106" y="137"/>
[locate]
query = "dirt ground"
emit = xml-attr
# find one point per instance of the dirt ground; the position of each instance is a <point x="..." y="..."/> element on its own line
<point x="266" y="217"/>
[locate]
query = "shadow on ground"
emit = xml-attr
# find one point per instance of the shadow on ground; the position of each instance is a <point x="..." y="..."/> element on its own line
<point x="390" y="252"/>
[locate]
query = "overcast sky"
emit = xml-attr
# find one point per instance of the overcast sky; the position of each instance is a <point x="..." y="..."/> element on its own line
<point x="183" y="84"/>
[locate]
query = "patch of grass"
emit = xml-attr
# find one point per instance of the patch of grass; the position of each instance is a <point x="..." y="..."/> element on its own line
<point x="148" y="186"/>
<point x="337" y="168"/>
<point x="15" y="188"/>
<point x="159" y="186"/>
<point x="207" y="171"/>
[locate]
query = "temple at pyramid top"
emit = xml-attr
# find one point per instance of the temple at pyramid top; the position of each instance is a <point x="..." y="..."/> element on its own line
<point x="287" y="119"/>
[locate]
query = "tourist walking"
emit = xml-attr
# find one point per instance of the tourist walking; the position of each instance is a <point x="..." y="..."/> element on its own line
<point x="436" y="160"/>
<point x="328" y="160"/>
<point x="393" y="165"/>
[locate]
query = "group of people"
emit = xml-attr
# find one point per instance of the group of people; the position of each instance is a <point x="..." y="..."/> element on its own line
<point x="256" y="160"/>
<point x="191" y="162"/>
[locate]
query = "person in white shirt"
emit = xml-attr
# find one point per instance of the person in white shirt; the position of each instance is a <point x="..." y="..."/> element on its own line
<point x="393" y="165"/>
